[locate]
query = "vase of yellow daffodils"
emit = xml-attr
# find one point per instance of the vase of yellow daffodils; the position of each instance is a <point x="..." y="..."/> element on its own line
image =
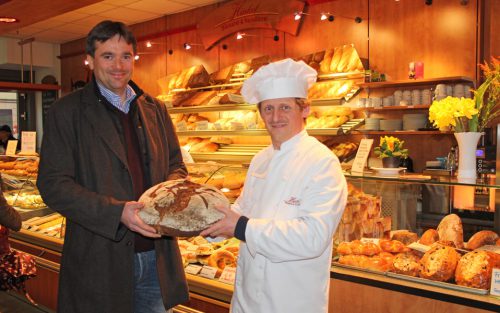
<point x="469" y="117"/>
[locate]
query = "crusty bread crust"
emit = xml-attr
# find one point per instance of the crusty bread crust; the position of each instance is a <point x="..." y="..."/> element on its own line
<point x="482" y="238"/>
<point x="450" y="229"/>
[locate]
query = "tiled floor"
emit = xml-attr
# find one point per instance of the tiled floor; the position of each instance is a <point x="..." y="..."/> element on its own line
<point x="13" y="303"/>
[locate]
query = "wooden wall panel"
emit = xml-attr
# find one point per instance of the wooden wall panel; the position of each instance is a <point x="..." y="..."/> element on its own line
<point x="259" y="42"/>
<point x="152" y="63"/>
<point x="494" y="29"/>
<point x="356" y="298"/>
<point x="316" y="35"/>
<point x="442" y="35"/>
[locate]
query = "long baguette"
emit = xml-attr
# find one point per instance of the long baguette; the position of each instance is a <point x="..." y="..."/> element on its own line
<point x="48" y="224"/>
<point x="337" y="56"/>
<point x="325" y="64"/>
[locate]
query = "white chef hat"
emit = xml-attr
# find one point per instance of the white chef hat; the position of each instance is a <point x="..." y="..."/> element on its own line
<point x="282" y="79"/>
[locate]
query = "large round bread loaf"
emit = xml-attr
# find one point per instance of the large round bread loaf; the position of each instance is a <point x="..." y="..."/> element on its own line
<point x="450" y="229"/>
<point x="439" y="263"/>
<point x="474" y="269"/>
<point x="181" y="207"/>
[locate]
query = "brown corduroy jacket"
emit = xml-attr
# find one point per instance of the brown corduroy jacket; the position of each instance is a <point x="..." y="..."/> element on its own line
<point x="84" y="176"/>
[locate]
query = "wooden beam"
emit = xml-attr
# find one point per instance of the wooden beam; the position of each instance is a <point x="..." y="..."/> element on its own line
<point x="27" y="86"/>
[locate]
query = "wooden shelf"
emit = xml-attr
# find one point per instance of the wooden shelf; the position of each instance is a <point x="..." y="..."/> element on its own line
<point x="394" y="108"/>
<point x="400" y="132"/>
<point x="418" y="82"/>
<point x="27" y="86"/>
<point x="213" y="108"/>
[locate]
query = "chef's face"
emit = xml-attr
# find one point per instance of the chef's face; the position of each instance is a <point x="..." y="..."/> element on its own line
<point x="283" y="117"/>
<point x="113" y="64"/>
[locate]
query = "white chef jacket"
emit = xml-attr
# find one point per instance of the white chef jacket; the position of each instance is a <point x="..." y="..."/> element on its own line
<point x="294" y="198"/>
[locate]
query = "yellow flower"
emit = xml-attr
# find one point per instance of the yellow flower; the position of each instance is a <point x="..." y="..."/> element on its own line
<point x="454" y="112"/>
<point x="390" y="147"/>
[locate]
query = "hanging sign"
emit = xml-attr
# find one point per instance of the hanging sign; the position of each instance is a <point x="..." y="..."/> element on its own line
<point x="242" y="15"/>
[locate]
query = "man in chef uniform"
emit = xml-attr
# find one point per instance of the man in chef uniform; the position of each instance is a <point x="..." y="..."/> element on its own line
<point x="293" y="200"/>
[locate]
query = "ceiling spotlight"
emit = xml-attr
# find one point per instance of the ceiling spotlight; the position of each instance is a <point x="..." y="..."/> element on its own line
<point x="239" y="36"/>
<point x="149" y="44"/>
<point x="327" y="16"/>
<point x="187" y="46"/>
<point x="6" y="19"/>
<point x="86" y="62"/>
<point x="297" y="16"/>
<point x="136" y="57"/>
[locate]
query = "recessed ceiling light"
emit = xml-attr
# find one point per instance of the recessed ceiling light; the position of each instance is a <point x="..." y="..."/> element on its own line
<point x="6" y="19"/>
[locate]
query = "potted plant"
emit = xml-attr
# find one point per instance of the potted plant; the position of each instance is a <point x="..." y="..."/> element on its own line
<point x="391" y="151"/>
<point x="469" y="117"/>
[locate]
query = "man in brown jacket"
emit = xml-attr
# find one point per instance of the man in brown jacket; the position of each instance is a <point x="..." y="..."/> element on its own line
<point x="103" y="146"/>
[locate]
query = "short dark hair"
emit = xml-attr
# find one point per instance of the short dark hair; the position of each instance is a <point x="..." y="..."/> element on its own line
<point x="106" y="30"/>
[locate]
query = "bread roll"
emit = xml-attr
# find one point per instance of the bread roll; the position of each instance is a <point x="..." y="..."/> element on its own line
<point x="221" y="140"/>
<point x="404" y="236"/>
<point x="353" y="260"/>
<point x="429" y="237"/>
<point x="382" y="263"/>
<point x="482" y="238"/>
<point x="406" y="263"/>
<point x="474" y="269"/>
<point x="220" y="259"/>
<point x="439" y="263"/>
<point x="393" y="246"/>
<point x="450" y="229"/>
<point x="337" y="56"/>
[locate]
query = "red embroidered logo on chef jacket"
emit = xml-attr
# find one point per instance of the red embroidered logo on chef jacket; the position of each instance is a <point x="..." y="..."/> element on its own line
<point x="293" y="201"/>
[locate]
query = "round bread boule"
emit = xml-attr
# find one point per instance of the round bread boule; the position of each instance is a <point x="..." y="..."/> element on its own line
<point x="181" y="207"/>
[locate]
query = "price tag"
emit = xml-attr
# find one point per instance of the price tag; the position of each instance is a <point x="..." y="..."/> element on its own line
<point x="208" y="272"/>
<point x="228" y="275"/>
<point x="372" y="240"/>
<point x="495" y="282"/>
<point x="11" y="147"/>
<point x="362" y="155"/>
<point x="181" y="126"/>
<point x="193" y="269"/>
<point x="28" y="142"/>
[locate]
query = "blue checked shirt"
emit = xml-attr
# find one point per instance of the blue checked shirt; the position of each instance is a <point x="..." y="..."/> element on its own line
<point x="115" y="99"/>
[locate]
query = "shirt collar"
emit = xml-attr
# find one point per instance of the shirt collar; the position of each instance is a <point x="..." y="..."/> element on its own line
<point x="115" y="99"/>
<point x="292" y="142"/>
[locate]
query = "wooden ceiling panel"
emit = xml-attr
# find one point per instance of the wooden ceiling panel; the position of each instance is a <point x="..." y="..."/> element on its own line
<point x="31" y="11"/>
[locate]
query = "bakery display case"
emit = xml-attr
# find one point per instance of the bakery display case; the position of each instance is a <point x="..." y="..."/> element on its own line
<point x="411" y="236"/>
<point x="407" y="203"/>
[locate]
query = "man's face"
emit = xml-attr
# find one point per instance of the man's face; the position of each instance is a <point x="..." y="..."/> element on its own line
<point x="3" y="135"/>
<point x="113" y="63"/>
<point x="283" y="118"/>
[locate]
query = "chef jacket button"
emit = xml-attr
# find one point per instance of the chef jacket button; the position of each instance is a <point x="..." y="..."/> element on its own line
<point x="129" y="243"/>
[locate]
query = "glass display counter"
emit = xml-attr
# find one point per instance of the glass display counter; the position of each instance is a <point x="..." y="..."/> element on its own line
<point x="407" y="201"/>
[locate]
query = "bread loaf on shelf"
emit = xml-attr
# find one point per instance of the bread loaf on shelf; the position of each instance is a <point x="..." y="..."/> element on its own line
<point x="474" y="269"/>
<point x="429" y="237"/>
<point x="482" y="238"/>
<point x="450" y="229"/>
<point x="407" y="263"/>
<point x="439" y="263"/>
